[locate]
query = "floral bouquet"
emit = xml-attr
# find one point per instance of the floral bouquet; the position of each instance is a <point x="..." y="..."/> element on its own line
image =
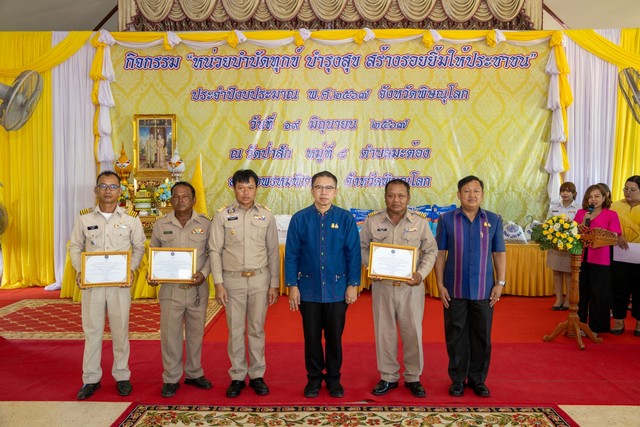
<point x="558" y="232"/>
<point x="162" y="193"/>
<point x="124" y="196"/>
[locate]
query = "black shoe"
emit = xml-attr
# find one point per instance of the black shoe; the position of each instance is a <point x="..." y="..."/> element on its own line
<point x="169" y="389"/>
<point x="416" y="389"/>
<point x="312" y="388"/>
<point x="124" y="387"/>
<point x="480" y="390"/>
<point x="200" y="382"/>
<point x="456" y="390"/>
<point x="617" y="331"/>
<point x="636" y="333"/>
<point x="259" y="386"/>
<point x="87" y="390"/>
<point x="383" y="387"/>
<point x="335" y="389"/>
<point x="235" y="388"/>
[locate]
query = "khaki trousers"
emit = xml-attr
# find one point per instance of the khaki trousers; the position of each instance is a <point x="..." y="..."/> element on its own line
<point x="96" y="303"/>
<point x="398" y="307"/>
<point x="247" y="306"/>
<point x="180" y="317"/>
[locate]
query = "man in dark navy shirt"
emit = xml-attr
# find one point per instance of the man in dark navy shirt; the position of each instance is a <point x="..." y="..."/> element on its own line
<point x="322" y="271"/>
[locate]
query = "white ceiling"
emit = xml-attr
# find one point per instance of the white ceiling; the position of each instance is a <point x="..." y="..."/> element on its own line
<point x="66" y="15"/>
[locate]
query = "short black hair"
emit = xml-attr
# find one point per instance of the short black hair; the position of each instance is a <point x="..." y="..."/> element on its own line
<point x="186" y="184"/>
<point x="467" y="179"/>
<point x="398" y="181"/>
<point x="326" y="174"/>
<point x="634" y="178"/>
<point x="244" y="176"/>
<point x="107" y="173"/>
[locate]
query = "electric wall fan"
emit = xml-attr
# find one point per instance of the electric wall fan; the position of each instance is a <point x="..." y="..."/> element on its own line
<point x="18" y="101"/>
<point x="629" y="82"/>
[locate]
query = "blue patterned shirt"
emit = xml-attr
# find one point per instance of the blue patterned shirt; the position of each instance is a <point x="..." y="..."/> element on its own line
<point x="322" y="254"/>
<point x="468" y="272"/>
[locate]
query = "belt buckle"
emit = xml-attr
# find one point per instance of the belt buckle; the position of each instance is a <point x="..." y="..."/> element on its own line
<point x="396" y="283"/>
<point x="248" y="273"/>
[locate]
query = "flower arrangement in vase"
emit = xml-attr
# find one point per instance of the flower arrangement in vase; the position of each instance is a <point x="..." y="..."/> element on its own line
<point x="162" y="194"/>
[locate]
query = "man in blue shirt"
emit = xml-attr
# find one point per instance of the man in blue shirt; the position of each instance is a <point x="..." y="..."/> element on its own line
<point x="322" y="271"/>
<point x="470" y="242"/>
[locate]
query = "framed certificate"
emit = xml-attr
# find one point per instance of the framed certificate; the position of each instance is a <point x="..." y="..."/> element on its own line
<point x="392" y="262"/>
<point x="172" y="265"/>
<point x="106" y="269"/>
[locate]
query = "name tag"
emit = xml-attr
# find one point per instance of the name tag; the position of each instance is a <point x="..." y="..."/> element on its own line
<point x="168" y="232"/>
<point x="92" y="227"/>
<point x="232" y="218"/>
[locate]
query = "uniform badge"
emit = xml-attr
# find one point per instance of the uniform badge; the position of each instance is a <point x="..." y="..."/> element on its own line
<point x="123" y="226"/>
<point x="233" y="232"/>
<point x="197" y="231"/>
<point x="231" y="210"/>
<point x="334" y="225"/>
<point x="259" y="217"/>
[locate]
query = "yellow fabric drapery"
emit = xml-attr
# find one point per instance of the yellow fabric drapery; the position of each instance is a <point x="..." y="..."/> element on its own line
<point x="594" y="43"/>
<point x="26" y="156"/>
<point x="627" y="149"/>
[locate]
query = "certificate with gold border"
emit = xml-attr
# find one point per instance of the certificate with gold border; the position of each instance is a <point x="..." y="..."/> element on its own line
<point x="106" y="269"/>
<point x="172" y="265"/>
<point x="393" y="262"/>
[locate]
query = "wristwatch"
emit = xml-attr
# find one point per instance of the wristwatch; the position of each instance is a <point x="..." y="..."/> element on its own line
<point x="502" y="282"/>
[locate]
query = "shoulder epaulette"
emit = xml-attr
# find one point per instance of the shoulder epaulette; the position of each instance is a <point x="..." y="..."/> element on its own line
<point x="375" y="213"/>
<point x="86" y="211"/>
<point x="265" y="207"/>
<point x="209" y="217"/>
<point x="420" y="214"/>
<point x="222" y="207"/>
<point x="133" y="213"/>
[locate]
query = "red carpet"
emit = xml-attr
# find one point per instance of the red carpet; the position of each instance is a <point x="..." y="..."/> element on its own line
<point x="524" y="369"/>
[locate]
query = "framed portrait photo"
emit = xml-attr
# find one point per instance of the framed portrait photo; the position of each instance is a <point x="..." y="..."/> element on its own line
<point x="154" y="141"/>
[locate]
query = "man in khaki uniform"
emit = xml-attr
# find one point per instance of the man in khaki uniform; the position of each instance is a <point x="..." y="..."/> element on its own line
<point x="245" y="263"/>
<point x="183" y="303"/>
<point x="399" y="304"/>
<point x="106" y="227"/>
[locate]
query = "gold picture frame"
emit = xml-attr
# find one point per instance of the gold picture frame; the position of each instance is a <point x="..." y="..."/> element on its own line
<point x="110" y="268"/>
<point x="154" y="141"/>
<point x="392" y="262"/>
<point x="172" y="265"/>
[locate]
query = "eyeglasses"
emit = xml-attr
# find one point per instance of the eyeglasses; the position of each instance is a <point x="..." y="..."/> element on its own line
<point x="113" y="187"/>
<point x="629" y="190"/>
<point x="319" y="188"/>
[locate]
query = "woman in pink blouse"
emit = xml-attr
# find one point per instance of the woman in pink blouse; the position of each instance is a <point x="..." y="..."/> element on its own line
<point x="595" y="271"/>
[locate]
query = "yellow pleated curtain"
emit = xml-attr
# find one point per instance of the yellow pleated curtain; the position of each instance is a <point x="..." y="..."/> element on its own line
<point x="26" y="161"/>
<point x="26" y="155"/>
